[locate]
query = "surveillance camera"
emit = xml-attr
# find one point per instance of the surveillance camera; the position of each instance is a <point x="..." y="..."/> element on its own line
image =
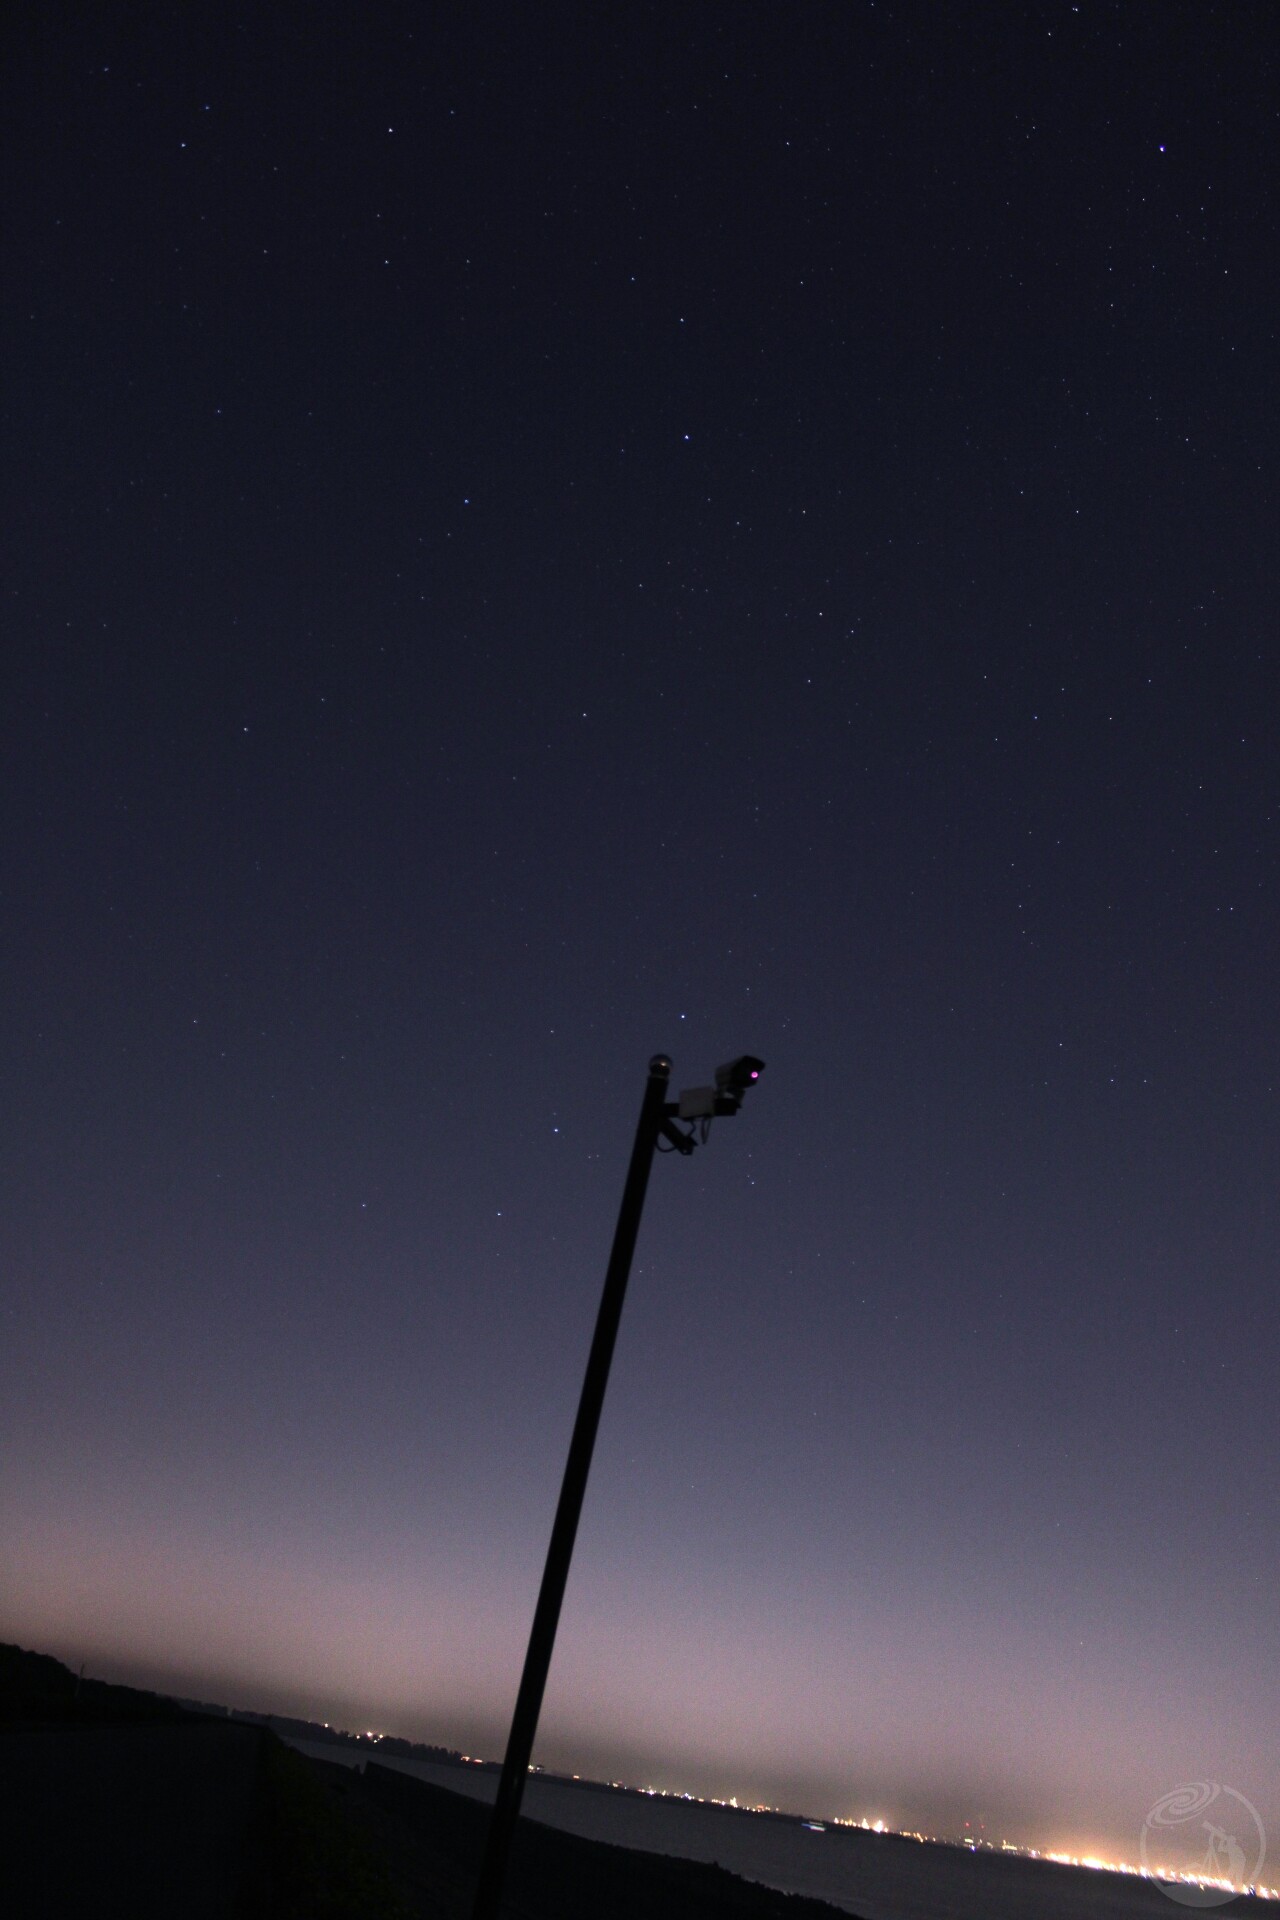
<point x="734" y="1078"/>
<point x="724" y="1099"/>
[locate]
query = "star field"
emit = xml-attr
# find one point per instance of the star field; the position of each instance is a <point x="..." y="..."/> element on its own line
<point x="549" y="537"/>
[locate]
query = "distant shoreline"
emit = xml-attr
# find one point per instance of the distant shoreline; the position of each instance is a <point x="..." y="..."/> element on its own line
<point x="821" y="1860"/>
<point x="132" y="1803"/>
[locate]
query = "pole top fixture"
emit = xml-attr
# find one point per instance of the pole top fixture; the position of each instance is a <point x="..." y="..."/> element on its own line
<point x="660" y="1066"/>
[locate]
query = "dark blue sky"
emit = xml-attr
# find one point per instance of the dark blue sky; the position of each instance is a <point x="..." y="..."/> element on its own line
<point x="542" y="538"/>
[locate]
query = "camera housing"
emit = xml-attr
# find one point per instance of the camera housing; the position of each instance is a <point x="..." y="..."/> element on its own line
<point x="737" y="1076"/>
<point x="733" y="1079"/>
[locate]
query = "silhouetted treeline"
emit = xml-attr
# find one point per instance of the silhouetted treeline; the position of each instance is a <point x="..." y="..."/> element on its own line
<point x="36" y="1687"/>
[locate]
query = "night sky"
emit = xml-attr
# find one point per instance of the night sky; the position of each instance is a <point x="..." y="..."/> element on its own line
<point x="540" y="534"/>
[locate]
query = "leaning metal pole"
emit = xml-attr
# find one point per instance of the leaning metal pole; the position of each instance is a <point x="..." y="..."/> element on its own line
<point x="542" y="1636"/>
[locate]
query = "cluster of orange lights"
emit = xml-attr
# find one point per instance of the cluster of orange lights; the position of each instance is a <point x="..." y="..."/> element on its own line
<point x="1094" y="1862"/>
<point x="1172" y="1875"/>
